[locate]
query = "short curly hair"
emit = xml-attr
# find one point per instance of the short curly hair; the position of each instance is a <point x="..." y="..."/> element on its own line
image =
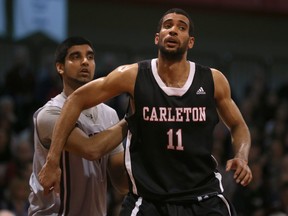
<point x="178" y="11"/>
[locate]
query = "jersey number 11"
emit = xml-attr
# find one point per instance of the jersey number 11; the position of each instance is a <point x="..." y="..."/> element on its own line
<point x="179" y="146"/>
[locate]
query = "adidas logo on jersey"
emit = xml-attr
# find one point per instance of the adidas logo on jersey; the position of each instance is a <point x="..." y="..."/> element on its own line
<point x="200" y="91"/>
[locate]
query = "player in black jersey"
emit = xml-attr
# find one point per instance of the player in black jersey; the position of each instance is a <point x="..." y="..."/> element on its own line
<point x="175" y="105"/>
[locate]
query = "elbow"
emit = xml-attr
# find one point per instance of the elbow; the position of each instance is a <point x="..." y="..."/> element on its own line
<point x="91" y="155"/>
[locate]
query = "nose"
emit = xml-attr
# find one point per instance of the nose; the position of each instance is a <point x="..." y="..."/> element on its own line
<point x="85" y="61"/>
<point x="173" y="31"/>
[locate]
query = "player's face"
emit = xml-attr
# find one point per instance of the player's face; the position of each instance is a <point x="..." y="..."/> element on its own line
<point x="79" y="67"/>
<point x="173" y="39"/>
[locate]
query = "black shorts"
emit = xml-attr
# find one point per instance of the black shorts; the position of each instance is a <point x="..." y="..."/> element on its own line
<point x="217" y="205"/>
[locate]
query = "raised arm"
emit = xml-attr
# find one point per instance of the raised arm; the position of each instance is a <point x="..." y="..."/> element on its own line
<point x="232" y="118"/>
<point x="117" y="82"/>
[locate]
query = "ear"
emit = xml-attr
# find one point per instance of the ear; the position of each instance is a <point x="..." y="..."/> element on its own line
<point x="156" y="40"/>
<point x="60" y="68"/>
<point x="191" y="42"/>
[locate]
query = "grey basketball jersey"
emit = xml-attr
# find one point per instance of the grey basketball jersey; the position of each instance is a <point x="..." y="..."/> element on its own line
<point x="83" y="182"/>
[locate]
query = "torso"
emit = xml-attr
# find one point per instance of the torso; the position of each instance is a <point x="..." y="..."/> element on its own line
<point x="83" y="182"/>
<point x="168" y="154"/>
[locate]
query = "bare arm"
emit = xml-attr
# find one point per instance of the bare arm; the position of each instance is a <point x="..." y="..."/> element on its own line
<point x="117" y="173"/>
<point x="117" y="82"/>
<point x="232" y="118"/>
<point x="93" y="148"/>
<point x="89" y="147"/>
<point x="91" y="94"/>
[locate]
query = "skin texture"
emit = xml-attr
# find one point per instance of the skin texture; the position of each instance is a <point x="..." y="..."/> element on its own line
<point x="173" y="41"/>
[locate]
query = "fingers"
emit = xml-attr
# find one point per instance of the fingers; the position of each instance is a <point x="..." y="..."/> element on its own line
<point x="246" y="179"/>
<point x="243" y="174"/>
<point x="47" y="187"/>
<point x="50" y="179"/>
<point x="57" y="188"/>
<point x="228" y="165"/>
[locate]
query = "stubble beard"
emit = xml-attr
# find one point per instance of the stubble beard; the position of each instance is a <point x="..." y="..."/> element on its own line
<point x="172" y="55"/>
<point x="76" y="83"/>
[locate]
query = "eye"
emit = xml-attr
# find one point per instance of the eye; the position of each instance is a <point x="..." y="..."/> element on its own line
<point x="182" y="28"/>
<point x="75" y="56"/>
<point x="167" y="26"/>
<point x="90" y="56"/>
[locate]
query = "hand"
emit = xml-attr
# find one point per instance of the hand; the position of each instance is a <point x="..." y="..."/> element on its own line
<point x="49" y="177"/>
<point x="242" y="174"/>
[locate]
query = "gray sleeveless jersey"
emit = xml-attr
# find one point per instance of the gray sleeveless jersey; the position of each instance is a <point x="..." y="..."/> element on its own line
<point x="83" y="182"/>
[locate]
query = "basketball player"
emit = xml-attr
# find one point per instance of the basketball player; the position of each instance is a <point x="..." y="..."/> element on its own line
<point x="84" y="161"/>
<point x="175" y="104"/>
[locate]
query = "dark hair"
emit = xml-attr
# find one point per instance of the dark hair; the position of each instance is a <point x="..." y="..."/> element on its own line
<point x="177" y="11"/>
<point x="62" y="48"/>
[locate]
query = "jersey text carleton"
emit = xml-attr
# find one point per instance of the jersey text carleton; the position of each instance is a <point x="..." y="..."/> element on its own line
<point x="174" y="114"/>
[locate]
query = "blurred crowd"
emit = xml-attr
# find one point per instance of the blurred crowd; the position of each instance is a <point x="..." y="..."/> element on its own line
<point x="24" y="89"/>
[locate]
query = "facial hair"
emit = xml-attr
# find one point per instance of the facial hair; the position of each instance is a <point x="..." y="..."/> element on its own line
<point x="174" y="55"/>
<point x="76" y="83"/>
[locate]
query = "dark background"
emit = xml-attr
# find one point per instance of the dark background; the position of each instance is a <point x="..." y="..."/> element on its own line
<point x="246" y="39"/>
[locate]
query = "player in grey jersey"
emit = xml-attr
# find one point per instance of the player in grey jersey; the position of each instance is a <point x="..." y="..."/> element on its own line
<point x="89" y="151"/>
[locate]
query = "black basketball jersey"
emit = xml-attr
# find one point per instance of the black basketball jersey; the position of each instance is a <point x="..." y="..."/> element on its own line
<point x="168" y="150"/>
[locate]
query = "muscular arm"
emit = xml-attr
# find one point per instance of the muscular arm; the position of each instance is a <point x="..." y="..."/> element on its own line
<point x="232" y="118"/>
<point x="93" y="148"/>
<point x="117" y="82"/>
<point x="90" y="148"/>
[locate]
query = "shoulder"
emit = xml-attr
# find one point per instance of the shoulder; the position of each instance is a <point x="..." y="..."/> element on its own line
<point x="221" y="84"/>
<point x="121" y="73"/>
<point x="200" y="66"/>
<point x="218" y="77"/>
<point x="48" y="115"/>
<point x="122" y="79"/>
<point x="47" y="111"/>
<point x="128" y="68"/>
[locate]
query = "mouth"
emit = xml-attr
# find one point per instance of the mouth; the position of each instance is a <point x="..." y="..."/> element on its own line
<point x="84" y="70"/>
<point x="171" y="42"/>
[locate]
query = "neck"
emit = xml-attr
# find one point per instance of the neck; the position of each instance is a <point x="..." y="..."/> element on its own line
<point x="68" y="89"/>
<point x="173" y="73"/>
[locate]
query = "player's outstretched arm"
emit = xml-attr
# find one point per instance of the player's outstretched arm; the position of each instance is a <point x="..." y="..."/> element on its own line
<point x="118" y="81"/>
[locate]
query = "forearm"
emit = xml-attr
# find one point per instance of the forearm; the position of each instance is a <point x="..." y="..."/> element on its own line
<point x="118" y="174"/>
<point x="61" y="131"/>
<point x="105" y="141"/>
<point x="241" y="141"/>
<point x="122" y="185"/>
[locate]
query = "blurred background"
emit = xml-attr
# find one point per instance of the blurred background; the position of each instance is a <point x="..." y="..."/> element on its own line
<point x="246" y="39"/>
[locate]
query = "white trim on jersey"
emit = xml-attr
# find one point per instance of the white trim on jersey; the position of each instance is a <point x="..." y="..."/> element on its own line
<point x="128" y="162"/>
<point x="226" y="203"/>
<point x="219" y="177"/>
<point x="172" y="91"/>
<point x="137" y="205"/>
<point x="64" y="183"/>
